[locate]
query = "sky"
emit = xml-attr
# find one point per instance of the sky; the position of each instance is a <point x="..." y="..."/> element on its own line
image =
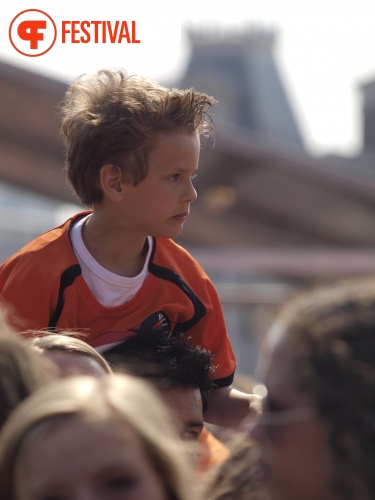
<point x="325" y="50"/>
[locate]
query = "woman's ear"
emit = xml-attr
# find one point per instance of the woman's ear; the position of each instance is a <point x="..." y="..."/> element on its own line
<point x="111" y="181"/>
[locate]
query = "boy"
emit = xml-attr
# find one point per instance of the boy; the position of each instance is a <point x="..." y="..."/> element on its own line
<point x="132" y="151"/>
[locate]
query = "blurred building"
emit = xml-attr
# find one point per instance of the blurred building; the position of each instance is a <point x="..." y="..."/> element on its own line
<point x="239" y="69"/>
<point x="367" y="157"/>
<point x="269" y="219"/>
<point x="33" y="194"/>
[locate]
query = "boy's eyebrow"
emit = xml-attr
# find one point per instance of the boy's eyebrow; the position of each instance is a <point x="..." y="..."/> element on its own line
<point x="182" y="169"/>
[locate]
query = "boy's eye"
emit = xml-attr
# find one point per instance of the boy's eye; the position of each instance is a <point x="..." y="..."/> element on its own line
<point x="194" y="176"/>
<point x="174" y="177"/>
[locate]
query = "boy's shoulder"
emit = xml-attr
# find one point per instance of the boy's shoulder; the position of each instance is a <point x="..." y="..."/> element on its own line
<point x="45" y="251"/>
<point x="169" y="254"/>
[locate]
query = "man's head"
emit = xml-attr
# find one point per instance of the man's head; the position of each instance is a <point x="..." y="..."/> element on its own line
<point x="180" y="371"/>
<point x="110" y="118"/>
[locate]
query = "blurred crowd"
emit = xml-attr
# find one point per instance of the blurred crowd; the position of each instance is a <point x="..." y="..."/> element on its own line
<point x="129" y="423"/>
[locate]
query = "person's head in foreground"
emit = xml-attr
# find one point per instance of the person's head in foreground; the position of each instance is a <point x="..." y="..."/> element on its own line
<point x="21" y="371"/>
<point x="70" y="355"/>
<point x="89" y="438"/>
<point x="317" y="432"/>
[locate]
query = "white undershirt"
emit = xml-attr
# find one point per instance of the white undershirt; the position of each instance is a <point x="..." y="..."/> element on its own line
<point x="108" y="288"/>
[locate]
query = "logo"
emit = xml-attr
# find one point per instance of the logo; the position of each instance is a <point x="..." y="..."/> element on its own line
<point x="99" y="32"/>
<point x="32" y="33"/>
<point x="157" y="322"/>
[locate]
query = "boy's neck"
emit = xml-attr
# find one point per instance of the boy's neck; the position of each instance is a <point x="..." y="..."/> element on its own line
<point x="119" y="253"/>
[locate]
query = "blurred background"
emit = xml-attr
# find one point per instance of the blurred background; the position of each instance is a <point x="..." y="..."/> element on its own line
<point x="286" y="195"/>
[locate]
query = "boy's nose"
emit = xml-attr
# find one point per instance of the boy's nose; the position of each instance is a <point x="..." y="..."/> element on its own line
<point x="191" y="194"/>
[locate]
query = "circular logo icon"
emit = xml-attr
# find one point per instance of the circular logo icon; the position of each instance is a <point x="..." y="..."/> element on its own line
<point x="32" y="33"/>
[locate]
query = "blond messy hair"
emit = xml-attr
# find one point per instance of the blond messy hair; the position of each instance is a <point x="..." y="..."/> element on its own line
<point x="43" y="341"/>
<point x="112" y="118"/>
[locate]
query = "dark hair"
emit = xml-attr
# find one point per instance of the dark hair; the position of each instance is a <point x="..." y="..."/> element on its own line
<point x="332" y="330"/>
<point x="110" y="118"/>
<point x="167" y="363"/>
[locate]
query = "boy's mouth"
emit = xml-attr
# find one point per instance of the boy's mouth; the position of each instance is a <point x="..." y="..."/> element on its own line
<point x="181" y="217"/>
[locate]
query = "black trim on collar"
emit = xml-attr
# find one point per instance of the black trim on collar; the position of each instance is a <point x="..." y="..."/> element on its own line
<point x="69" y="275"/>
<point x="169" y="275"/>
<point x="67" y="278"/>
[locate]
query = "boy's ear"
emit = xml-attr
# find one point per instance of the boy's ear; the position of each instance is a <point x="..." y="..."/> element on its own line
<point x="111" y="181"/>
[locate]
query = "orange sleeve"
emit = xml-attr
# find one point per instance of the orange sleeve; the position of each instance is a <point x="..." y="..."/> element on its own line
<point x="211" y="451"/>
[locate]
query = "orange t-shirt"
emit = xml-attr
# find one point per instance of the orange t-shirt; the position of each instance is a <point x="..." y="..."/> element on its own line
<point x="211" y="451"/>
<point x="43" y="288"/>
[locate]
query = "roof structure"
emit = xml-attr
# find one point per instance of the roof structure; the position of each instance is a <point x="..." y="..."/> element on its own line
<point x="258" y="186"/>
<point x="258" y="192"/>
<point x="240" y="70"/>
<point x="31" y="147"/>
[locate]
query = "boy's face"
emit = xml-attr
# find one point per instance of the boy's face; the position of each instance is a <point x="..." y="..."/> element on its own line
<point x="160" y="204"/>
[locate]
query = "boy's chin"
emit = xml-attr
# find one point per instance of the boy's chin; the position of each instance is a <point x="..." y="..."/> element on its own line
<point x="169" y="234"/>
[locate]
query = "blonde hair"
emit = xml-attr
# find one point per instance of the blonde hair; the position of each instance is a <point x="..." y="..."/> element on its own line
<point x="112" y="118"/>
<point x="42" y="341"/>
<point x="122" y="399"/>
<point x="21" y="370"/>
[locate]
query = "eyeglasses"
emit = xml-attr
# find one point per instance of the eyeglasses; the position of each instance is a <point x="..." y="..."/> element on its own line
<point x="272" y="416"/>
<point x="284" y="417"/>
